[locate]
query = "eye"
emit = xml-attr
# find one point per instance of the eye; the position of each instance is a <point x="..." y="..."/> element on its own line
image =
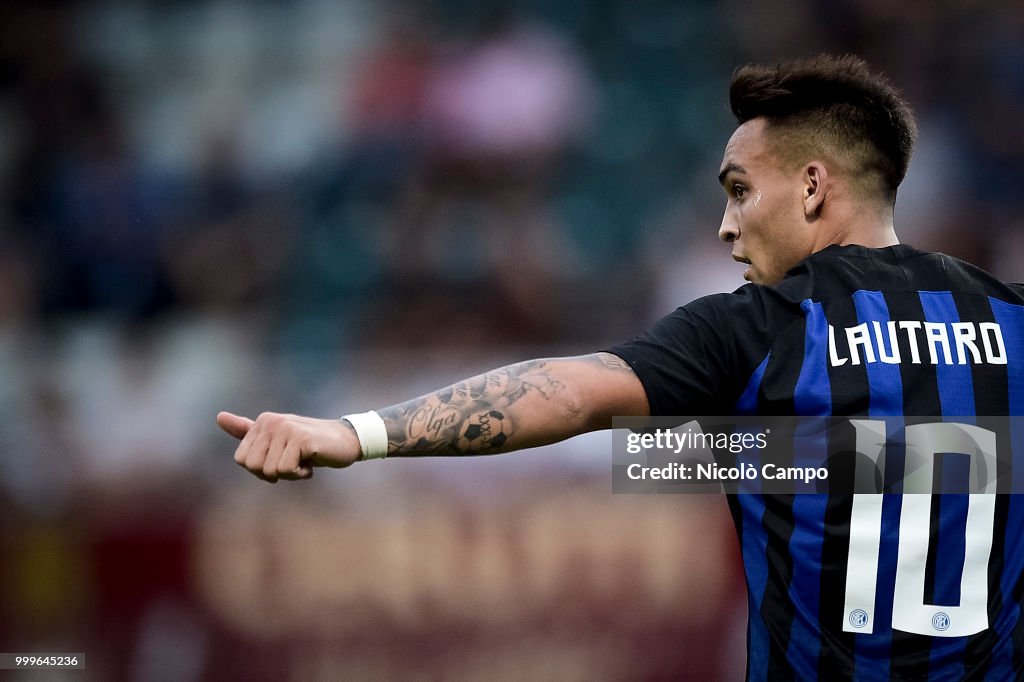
<point x="739" y="191"/>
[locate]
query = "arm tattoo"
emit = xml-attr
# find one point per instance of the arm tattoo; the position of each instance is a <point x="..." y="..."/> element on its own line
<point x="609" y="361"/>
<point x="473" y="416"/>
<point x="470" y="416"/>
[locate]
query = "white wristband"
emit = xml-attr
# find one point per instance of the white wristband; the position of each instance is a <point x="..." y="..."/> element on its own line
<point x="371" y="432"/>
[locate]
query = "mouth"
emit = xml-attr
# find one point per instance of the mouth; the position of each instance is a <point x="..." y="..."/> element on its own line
<point x="745" y="261"/>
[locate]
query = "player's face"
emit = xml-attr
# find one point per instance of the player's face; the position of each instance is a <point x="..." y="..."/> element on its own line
<point x="764" y="215"/>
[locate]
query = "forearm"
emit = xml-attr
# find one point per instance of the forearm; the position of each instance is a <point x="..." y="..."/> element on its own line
<point x="519" y="406"/>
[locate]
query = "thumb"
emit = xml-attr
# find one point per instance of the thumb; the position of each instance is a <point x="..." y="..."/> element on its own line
<point x="233" y="424"/>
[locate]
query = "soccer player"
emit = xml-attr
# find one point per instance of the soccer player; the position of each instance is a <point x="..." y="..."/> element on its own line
<point x="839" y="319"/>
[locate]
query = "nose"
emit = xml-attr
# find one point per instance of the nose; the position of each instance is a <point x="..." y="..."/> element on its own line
<point x="729" y="231"/>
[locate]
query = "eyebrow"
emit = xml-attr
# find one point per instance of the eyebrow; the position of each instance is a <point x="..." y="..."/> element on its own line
<point x="730" y="167"/>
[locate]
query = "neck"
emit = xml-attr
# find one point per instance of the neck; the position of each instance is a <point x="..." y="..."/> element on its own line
<point x="874" y="231"/>
<point x="874" y="239"/>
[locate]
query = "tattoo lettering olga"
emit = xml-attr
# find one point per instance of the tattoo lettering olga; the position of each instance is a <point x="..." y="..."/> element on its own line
<point x="466" y="417"/>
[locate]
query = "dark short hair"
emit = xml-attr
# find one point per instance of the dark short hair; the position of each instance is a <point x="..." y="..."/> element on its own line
<point x="831" y="104"/>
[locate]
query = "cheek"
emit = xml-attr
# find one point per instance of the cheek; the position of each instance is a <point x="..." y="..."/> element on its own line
<point x="778" y="216"/>
<point x="760" y="218"/>
<point x="755" y="212"/>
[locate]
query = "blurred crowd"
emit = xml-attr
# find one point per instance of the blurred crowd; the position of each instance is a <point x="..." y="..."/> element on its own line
<point x="320" y="206"/>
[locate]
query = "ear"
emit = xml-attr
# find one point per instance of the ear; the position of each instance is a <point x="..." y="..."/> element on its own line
<point x="816" y="188"/>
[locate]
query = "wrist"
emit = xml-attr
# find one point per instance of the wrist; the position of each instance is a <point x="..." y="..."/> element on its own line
<point x="371" y="433"/>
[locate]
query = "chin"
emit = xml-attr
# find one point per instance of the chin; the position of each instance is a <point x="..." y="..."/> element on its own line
<point x="759" y="278"/>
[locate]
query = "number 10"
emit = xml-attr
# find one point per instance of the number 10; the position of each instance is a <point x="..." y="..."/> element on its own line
<point x="909" y="612"/>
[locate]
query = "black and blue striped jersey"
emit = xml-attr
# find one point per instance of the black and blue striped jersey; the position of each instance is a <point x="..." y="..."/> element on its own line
<point x="872" y="587"/>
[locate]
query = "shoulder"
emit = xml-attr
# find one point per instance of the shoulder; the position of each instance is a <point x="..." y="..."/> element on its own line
<point x="722" y="314"/>
<point x="742" y="324"/>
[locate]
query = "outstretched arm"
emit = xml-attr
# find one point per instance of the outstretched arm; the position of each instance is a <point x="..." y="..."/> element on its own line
<point x="524" y="405"/>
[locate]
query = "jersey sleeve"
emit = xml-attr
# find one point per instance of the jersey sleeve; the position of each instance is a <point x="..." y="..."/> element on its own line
<point x="687" y="362"/>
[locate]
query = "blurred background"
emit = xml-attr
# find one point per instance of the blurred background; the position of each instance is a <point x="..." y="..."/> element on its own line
<point x="320" y="207"/>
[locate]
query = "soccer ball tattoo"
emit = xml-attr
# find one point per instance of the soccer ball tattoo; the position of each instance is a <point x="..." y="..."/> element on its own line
<point x="485" y="431"/>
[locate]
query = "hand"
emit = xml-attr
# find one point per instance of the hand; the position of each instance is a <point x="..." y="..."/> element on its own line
<point x="286" y="446"/>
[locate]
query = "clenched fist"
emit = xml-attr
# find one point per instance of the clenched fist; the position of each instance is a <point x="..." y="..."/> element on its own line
<point x="287" y="446"/>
